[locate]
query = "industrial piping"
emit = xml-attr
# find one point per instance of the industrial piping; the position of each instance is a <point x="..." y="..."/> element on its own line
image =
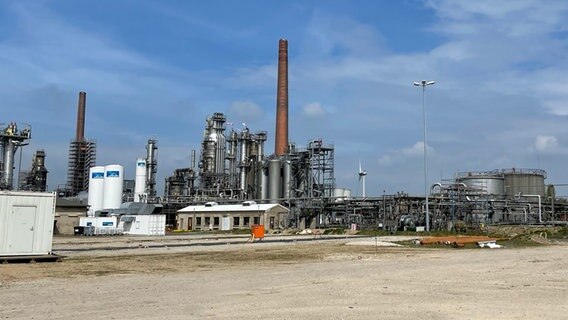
<point x="281" y="143"/>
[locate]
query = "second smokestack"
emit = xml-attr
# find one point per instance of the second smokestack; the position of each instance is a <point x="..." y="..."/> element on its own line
<point x="281" y="143"/>
<point x="80" y="134"/>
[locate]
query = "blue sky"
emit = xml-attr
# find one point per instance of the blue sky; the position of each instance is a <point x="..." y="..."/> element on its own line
<point x="157" y="69"/>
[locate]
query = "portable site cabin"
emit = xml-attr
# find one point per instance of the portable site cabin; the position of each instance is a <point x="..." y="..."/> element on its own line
<point x="26" y="223"/>
<point x="213" y="216"/>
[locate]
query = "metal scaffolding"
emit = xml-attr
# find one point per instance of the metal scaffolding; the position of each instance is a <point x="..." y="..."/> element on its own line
<point x="82" y="156"/>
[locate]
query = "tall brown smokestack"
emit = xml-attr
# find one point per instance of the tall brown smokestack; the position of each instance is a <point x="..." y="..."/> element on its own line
<point x="281" y="143"/>
<point x="80" y="135"/>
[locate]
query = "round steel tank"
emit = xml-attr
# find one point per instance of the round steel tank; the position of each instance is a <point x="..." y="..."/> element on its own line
<point x="491" y="184"/>
<point x="96" y="188"/>
<point x="341" y="194"/>
<point x="526" y="181"/>
<point x="112" y="194"/>
<point x="274" y="180"/>
<point x="140" y="180"/>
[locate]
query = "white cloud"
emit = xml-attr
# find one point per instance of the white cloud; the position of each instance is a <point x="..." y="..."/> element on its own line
<point x="398" y="156"/>
<point x="546" y="143"/>
<point x="313" y="109"/>
<point x="416" y="150"/>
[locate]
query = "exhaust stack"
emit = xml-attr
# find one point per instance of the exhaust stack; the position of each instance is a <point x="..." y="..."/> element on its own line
<point x="80" y="134"/>
<point x="281" y="143"/>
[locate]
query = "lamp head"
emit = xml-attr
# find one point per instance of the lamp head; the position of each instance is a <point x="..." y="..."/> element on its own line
<point x="424" y="83"/>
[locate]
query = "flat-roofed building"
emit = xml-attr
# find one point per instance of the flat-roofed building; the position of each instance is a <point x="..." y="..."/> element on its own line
<point x="213" y="216"/>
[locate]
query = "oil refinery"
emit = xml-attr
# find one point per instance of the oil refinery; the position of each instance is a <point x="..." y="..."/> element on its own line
<point x="233" y="167"/>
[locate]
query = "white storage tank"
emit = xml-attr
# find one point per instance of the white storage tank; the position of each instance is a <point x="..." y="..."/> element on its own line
<point x="26" y="223"/>
<point x="96" y="188"/>
<point x="140" y="180"/>
<point x="341" y="194"/>
<point x="112" y="195"/>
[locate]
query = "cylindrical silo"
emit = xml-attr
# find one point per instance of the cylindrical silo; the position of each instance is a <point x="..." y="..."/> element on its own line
<point x="493" y="184"/>
<point x="140" y="180"/>
<point x="525" y="181"/>
<point x="96" y="188"/>
<point x="112" y="195"/>
<point x="274" y="180"/>
<point x="339" y="194"/>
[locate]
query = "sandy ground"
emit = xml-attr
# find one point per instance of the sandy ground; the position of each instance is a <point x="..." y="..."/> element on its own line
<point x="291" y="280"/>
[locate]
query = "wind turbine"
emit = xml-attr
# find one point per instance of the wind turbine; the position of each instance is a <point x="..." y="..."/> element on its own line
<point x="362" y="174"/>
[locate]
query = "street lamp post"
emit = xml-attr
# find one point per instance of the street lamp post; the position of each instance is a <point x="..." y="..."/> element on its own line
<point x="384" y="212"/>
<point x="423" y="84"/>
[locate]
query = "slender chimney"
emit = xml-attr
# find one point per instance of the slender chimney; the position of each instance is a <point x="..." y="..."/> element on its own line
<point x="281" y="143"/>
<point x="80" y="135"/>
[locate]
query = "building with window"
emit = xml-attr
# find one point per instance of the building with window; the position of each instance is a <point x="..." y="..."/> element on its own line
<point x="213" y="216"/>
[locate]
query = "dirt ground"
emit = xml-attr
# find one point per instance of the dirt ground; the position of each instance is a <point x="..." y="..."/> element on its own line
<point x="285" y="280"/>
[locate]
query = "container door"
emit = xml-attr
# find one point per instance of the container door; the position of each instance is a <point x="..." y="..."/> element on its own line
<point x="23" y="229"/>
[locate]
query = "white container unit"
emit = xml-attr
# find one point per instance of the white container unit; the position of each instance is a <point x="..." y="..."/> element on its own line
<point x="140" y="181"/>
<point x="98" y="222"/>
<point x="143" y="224"/>
<point x="26" y="223"/>
<point x="102" y="225"/>
<point x="113" y="183"/>
<point x="96" y="189"/>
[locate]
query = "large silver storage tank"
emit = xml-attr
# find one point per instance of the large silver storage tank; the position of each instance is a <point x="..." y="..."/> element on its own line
<point x="274" y="180"/>
<point x="527" y="181"/>
<point x="341" y="194"/>
<point x="491" y="182"/>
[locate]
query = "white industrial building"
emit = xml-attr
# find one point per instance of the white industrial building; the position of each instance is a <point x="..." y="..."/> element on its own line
<point x="213" y="216"/>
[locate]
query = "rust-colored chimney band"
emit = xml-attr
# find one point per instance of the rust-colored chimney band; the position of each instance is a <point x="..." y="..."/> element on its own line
<point x="281" y="135"/>
<point x="80" y="134"/>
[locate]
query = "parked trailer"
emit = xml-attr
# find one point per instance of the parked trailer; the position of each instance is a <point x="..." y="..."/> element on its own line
<point x="26" y="223"/>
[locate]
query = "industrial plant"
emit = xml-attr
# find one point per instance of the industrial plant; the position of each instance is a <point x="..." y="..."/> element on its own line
<point x="233" y="182"/>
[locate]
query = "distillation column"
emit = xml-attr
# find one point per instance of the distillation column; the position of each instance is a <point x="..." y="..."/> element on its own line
<point x="151" y="167"/>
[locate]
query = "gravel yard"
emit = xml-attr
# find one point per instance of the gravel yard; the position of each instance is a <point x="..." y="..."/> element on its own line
<point x="158" y="278"/>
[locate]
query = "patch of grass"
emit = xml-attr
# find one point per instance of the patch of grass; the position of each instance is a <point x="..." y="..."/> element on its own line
<point x="520" y="241"/>
<point x="334" y="231"/>
<point x="559" y="233"/>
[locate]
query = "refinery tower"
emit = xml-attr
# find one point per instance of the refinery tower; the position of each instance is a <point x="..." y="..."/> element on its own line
<point x="82" y="153"/>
